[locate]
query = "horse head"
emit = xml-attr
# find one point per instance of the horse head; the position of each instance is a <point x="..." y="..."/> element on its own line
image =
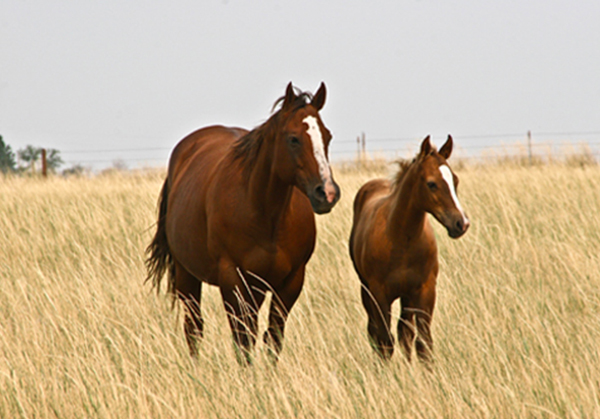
<point x="437" y="185"/>
<point x="302" y="149"/>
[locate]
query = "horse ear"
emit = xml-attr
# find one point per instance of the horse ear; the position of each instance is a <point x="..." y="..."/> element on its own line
<point x="289" y="95"/>
<point x="319" y="98"/>
<point x="446" y="149"/>
<point x="425" y="147"/>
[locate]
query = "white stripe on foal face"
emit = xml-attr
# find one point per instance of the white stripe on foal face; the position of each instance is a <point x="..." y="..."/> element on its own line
<point x="314" y="132"/>
<point x="447" y="175"/>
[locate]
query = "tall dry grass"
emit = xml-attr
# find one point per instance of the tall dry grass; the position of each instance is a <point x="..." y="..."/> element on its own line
<point x="516" y="327"/>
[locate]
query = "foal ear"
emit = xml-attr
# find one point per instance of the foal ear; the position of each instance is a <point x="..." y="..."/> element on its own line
<point x="425" y="147"/>
<point x="289" y="95"/>
<point x="319" y="98"/>
<point x="446" y="149"/>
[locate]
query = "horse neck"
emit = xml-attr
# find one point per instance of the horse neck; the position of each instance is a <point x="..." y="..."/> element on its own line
<point x="269" y="196"/>
<point x="406" y="219"/>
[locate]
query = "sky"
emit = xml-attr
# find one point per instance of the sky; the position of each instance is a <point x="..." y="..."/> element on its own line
<point x="107" y="81"/>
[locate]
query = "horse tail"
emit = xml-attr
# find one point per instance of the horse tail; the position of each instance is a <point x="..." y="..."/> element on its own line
<point x="160" y="258"/>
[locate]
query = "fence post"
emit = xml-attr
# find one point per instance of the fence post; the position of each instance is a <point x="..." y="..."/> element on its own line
<point x="44" y="163"/>
<point x="364" y="145"/>
<point x="529" y="147"/>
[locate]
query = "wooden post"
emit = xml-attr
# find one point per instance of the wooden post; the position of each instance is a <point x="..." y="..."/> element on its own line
<point x="529" y="147"/>
<point x="44" y="163"/>
<point x="364" y="147"/>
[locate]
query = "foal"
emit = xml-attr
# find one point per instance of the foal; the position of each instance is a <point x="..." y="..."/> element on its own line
<point x="393" y="246"/>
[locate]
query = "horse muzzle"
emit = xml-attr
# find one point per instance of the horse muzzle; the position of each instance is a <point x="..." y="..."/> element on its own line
<point x="324" y="196"/>
<point x="457" y="225"/>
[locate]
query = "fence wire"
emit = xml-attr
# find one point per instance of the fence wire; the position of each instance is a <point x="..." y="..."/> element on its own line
<point x="545" y="145"/>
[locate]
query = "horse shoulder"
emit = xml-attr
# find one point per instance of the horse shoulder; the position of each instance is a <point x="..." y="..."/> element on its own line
<point x="251" y="247"/>
<point x="295" y="239"/>
<point x="368" y="192"/>
<point x="299" y="227"/>
<point x="417" y="264"/>
<point x="371" y="208"/>
<point x="370" y="247"/>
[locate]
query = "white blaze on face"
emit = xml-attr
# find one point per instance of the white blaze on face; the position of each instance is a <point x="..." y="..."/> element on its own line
<point x="314" y="132"/>
<point x="447" y="175"/>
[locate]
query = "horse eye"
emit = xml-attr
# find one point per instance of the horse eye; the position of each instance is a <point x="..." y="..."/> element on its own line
<point x="432" y="186"/>
<point x="294" y="141"/>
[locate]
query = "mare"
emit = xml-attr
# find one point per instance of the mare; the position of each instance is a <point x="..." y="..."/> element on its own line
<point x="393" y="247"/>
<point x="236" y="211"/>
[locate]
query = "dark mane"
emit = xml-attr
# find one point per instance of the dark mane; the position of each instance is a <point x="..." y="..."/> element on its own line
<point x="302" y="99"/>
<point x="404" y="165"/>
<point x="247" y="147"/>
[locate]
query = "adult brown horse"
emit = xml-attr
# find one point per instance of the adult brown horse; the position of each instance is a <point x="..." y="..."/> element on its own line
<point x="236" y="211"/>
<point x="393" y="246"/>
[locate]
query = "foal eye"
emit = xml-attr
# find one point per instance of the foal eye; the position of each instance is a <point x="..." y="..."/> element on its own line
<point x="432" y="186"/>
<point x="294" y="141"/>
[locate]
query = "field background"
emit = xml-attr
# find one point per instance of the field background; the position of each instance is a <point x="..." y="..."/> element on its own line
<point x="516" y="327"/>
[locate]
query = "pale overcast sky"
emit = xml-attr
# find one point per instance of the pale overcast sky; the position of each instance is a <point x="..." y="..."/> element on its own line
<point x="93" y="77"/>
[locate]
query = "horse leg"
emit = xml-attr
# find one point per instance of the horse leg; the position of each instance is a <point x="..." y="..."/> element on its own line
<point x="406" y="328"/>
<point x="282" y="302"/>
<point x="421" y="306"/>
<point x="241" y="304"/>
<point x="424" y="343"/>
<point x="189" y="290"/>
<point x="379" y="312"/>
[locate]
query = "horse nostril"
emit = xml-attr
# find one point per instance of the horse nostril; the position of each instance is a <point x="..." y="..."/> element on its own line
<point x="459" y="225"/>
<point x="320" y="192"/>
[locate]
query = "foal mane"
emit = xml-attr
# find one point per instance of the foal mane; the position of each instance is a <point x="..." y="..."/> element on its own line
<point x="246" y="148"/>
<point x="405" y="165"/>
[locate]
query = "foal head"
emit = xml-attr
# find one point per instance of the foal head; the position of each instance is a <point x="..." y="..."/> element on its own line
<point x="436" y="186"/>
<point x="301" y="149"/>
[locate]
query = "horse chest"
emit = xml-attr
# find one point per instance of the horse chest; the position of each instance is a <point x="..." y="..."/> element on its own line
<point x="410" y="271"/>
<point x="271" y="253"/>
<point x="273" y="263"/>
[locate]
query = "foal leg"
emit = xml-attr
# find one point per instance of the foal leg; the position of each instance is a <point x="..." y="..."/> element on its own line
<point x="406" y="328"/>
<point x="424" y="316"/>
<point x="189" y="290"/>
<point x="379" y="312"/>
<point x="420" y="307"/>
<point x="282" y="302"/>
<point x="241" y="304"/>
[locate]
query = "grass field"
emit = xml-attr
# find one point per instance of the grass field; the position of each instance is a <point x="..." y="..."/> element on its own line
<point x="516" y="327"/>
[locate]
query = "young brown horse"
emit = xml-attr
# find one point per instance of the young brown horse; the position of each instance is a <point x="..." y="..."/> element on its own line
<point x="393" y="246"/>
<point x="236" y="211"/>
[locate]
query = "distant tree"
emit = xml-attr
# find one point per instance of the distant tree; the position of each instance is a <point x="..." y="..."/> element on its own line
<point x="118" y="166"/>
<point x="53" y="159"/>
<point x="30" y="155"/>
<point x="7" y="158"/>
<point x="76" y="170"/>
